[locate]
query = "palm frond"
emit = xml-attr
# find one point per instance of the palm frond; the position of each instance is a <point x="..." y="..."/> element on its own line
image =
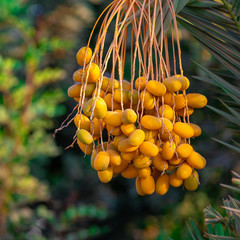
<point x="234" y="148"/>
<point x="215" y="24"/>
<point x="217" y="237"/>
<point x="226" y="115"/>
<point x="193" y="230"/>
<point x="231" y="110"/>
<point x="232" y="106"/>
<point x="212" y="216"/>
<point x="221" y="227"/>
<point x="218" y="81"/>
<point x="235" y="189"/>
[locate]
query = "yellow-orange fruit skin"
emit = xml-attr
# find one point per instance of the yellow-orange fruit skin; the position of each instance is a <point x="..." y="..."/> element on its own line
<point x="140" y="83"/>
<point x="144" y="172"/>
<point x="168" y="150"/>
<point x="84" y="136"/>
<point x="133" y="96"/>
<point x="115" y="158"/>
<point x="175" y="181"/>
<point x="150" y="122"/>
<point x="115" y="131"/>
<point x="152" y="140"/>
<point x="184" y="171"/>
<point x="96" y="126"/>
<point x="93" y="155"/>
<point x="74" y="90"/>
<point x="89" y="89"/>
<point x="184" y="150"/>
<point x="128" y="156"/>
<point x="159" y="163"/>
<point x="78" y="75"/>
<point x="84" y="123"/>
<point x="121" y="95"/>
<point x="126" y="85"/>
<point x="162" y="184"/>
<point x="127" y="129"/>
<point x="106" y="175"/>
<point x="111" y="104"/>
<point x="187" y="111"/>
<point x="136" y="137"/>
<point x="197" y="130"/>
<point x="148" y="185"/>
<point x="167" y="125"/>
<point x="113" y="118"/>
<point x="100" y="109"/>
<point x="185" y="83"/>
<point x="192" y="183"/>
<point x="118" y="111"/>
<point x="147" y="99"/>
<point x="164" y="136"/>
<point x="108" y="83"/>
<point x="172" y="84"/>
<point x="101" y="161"/>
<point x="148" y="149"/>
<point x="95" y="92"/>
<point x="149" y="134"/>
<point x="87" y="149"/>
<point x="120" y="168"/>
<point x="124" y="146"/>
<point x="166" y="111"/>
<point x="84" y="56"/>
<point x="129" y="116"/>
<point x="180" y="101"/>
<point x="92" y="73"/>
<point x="183" y="130"/>
<point x="117" y="139"/>
<point x="175" y="161"/>
<point x="168" y="98"/>
<point x="196" y="160"/>
<point x="138" y="186"/>
<point x="176" y="138"/>
<point x="141" y="162"/>
<point x="156" y="88"/>
<point x="196" y="100"/>
<point x="129" y="172"/>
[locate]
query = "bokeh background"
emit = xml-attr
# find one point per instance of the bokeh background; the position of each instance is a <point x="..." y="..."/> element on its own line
<point x="47" y="192"/>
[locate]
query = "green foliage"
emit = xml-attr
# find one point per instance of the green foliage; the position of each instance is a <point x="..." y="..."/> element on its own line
<point x="215" y="24"/>
<point x="230" y="101"/>
<point x="219" y="226"/>
<point x="29" y="102"/>
<point x="65" y="224"/>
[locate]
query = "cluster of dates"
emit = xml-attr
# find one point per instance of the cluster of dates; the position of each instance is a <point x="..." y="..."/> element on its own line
<point x="148" y="134"/>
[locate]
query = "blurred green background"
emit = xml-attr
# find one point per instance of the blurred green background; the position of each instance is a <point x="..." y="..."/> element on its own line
<point x="47" y="192"/>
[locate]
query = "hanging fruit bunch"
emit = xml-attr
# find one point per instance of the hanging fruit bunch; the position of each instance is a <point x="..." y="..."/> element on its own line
<point x="139" y="128"/>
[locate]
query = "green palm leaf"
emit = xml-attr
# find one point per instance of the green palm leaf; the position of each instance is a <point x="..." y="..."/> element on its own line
<point x="230" y="92"/>
<point x="215" y="24"/>
<point x="234" y="148"/>
<point x="220" y="227"/>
